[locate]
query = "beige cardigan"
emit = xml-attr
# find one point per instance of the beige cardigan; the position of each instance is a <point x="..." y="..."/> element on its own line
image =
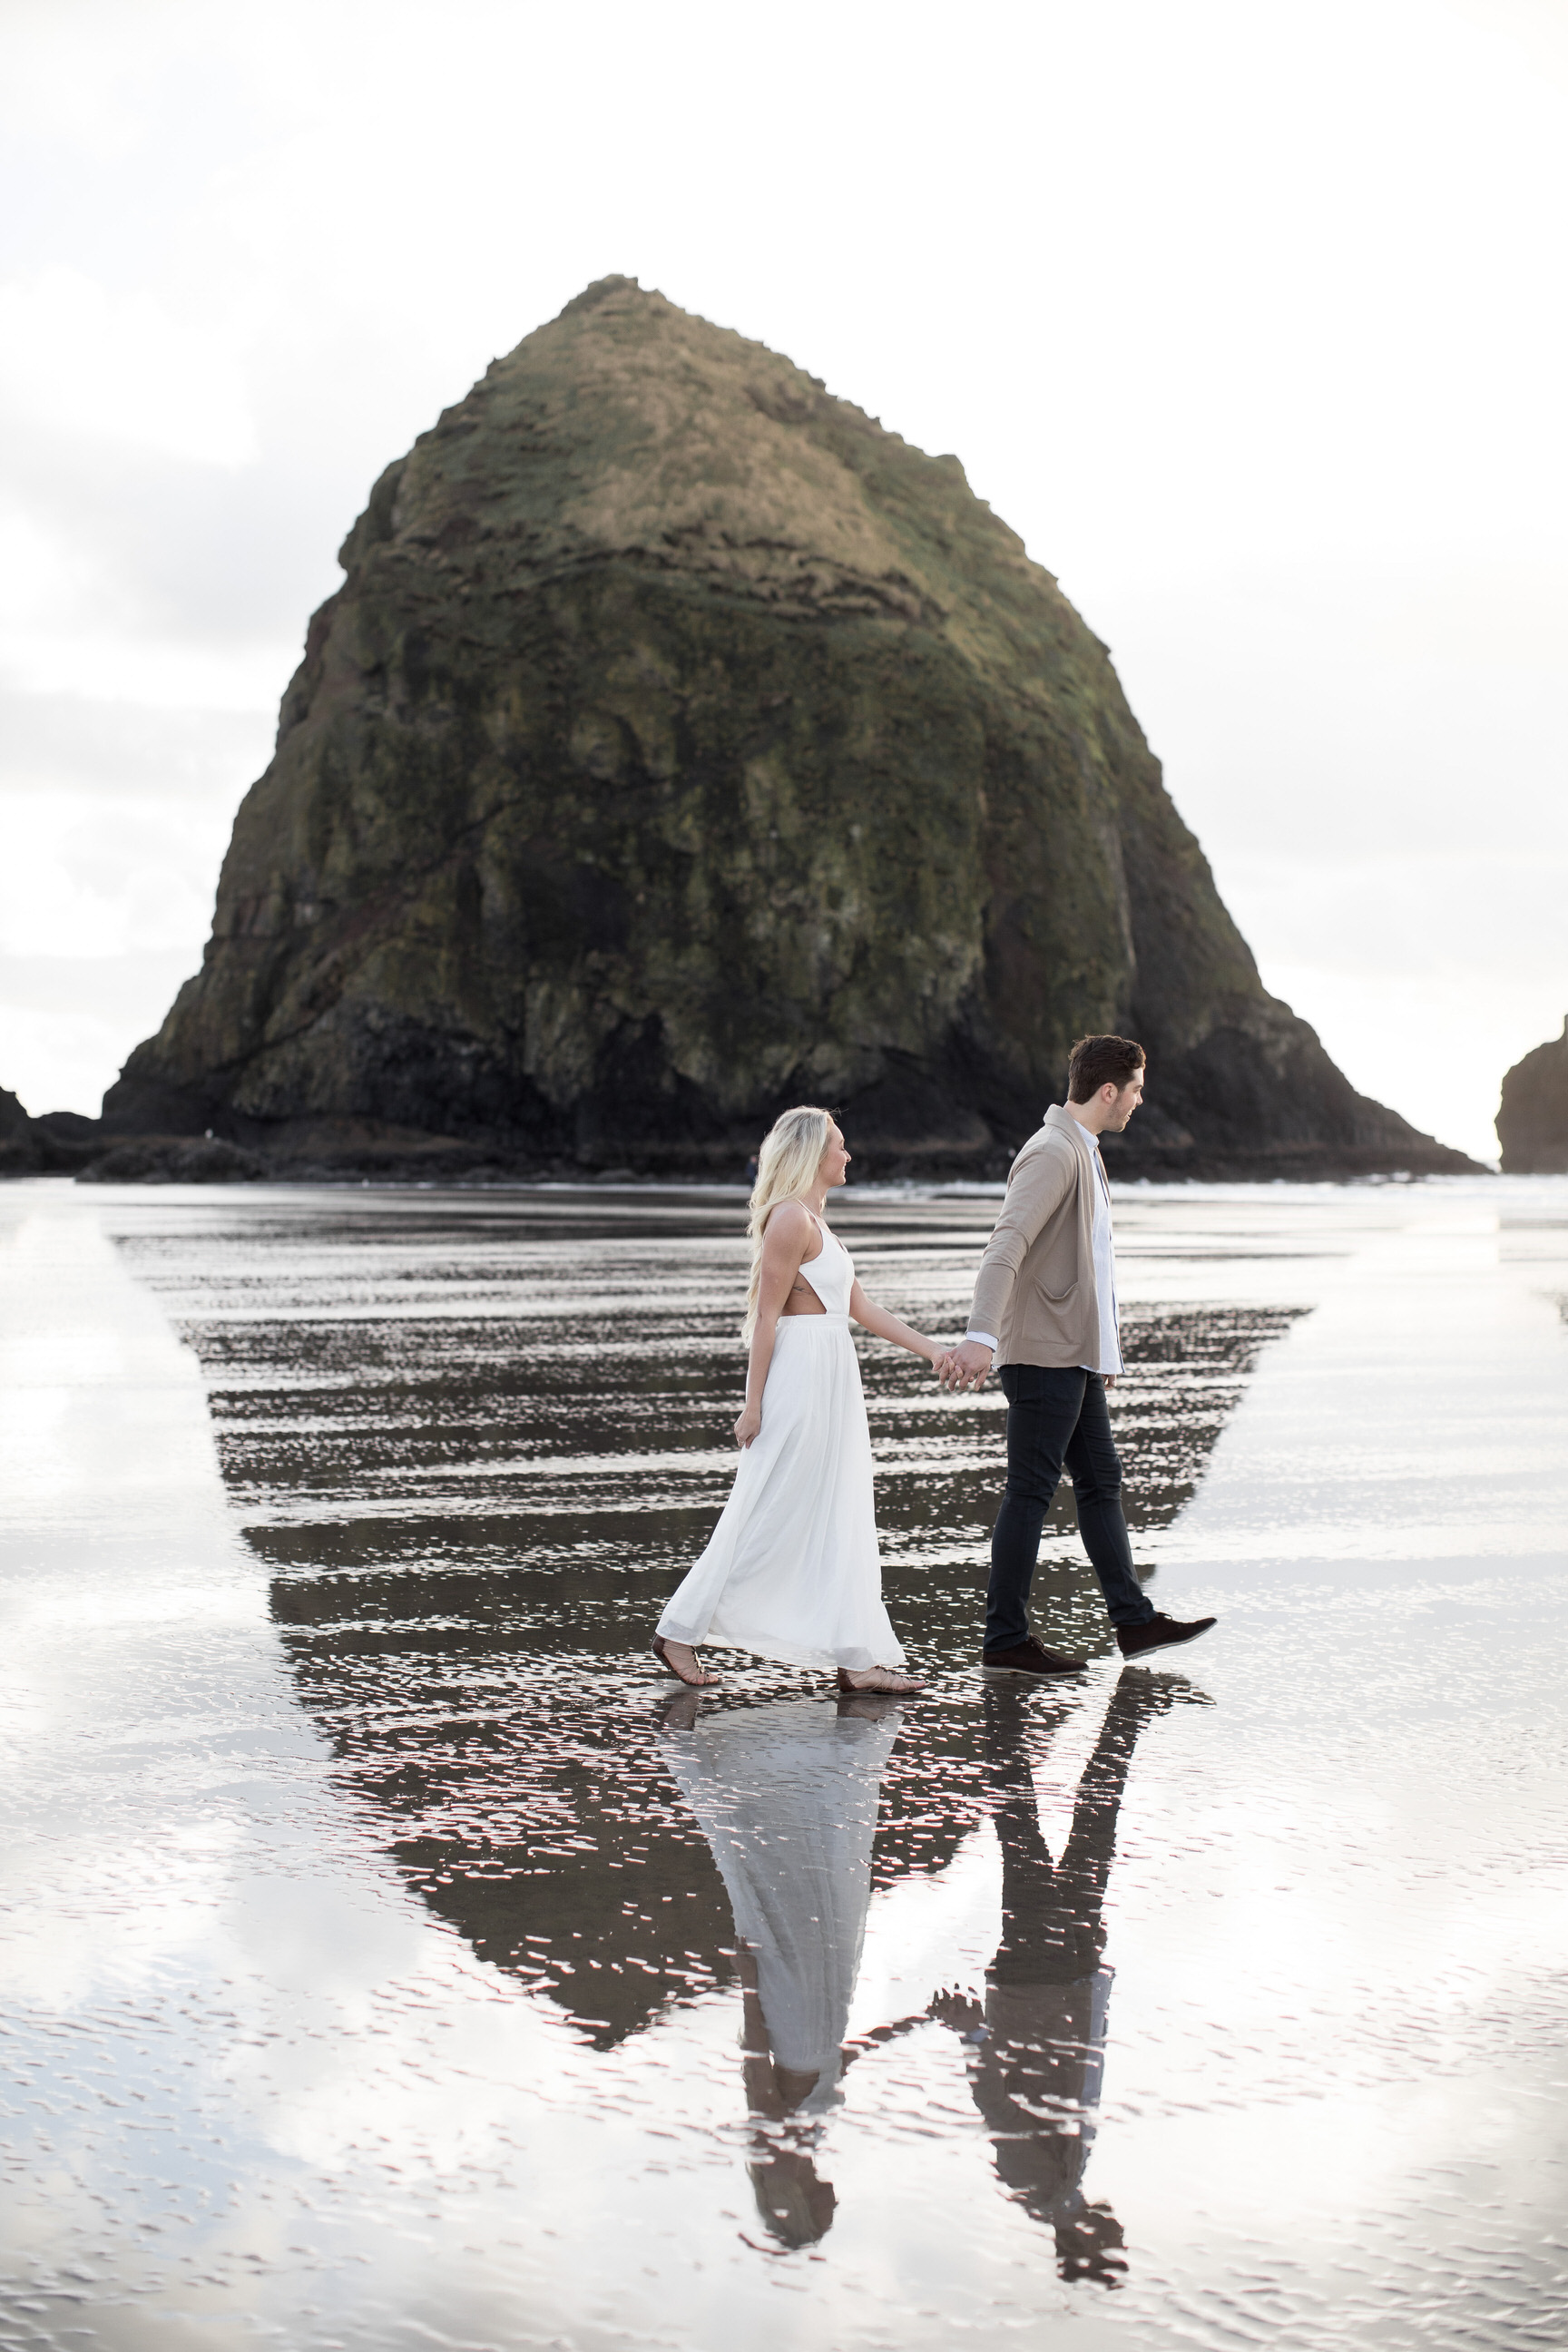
<point x="1036" y="1286"/>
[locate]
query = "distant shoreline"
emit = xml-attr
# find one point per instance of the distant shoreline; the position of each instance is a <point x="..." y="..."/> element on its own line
<point x="591" y="1192"/>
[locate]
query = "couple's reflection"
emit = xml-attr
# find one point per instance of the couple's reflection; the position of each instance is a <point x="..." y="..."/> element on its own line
<point x="788" y="1795"/>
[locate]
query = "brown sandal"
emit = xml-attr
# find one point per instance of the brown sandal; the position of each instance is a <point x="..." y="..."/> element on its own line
<point x="896" y="1686"/>
<point x="699" y="1681"/>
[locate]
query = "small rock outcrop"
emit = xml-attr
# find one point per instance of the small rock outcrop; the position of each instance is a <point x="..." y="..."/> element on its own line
<point x="60" y="1143"/>
<point x="681" y="745"/>
<point x="18" y="1154"/>
<point x="176" y="1159"/>
<point x="1532" y="1118"/>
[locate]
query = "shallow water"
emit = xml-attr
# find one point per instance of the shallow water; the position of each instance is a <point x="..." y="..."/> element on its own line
<point x="392" y="1960"/>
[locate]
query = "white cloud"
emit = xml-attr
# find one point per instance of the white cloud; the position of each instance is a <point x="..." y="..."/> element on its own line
<point x="43" y="577"/>
<point x="96" y="364"/>
<point x="108" y="875"/>
<point x="114" y="818"/>
<point x="97" y="665"/>
<point x="68" y="1022"/>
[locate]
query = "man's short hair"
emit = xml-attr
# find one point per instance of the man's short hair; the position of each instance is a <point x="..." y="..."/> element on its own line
<point x="1097" y="1062"/>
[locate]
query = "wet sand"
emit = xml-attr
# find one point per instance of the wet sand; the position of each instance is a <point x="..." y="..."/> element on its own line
<point x="391" y="1959"/>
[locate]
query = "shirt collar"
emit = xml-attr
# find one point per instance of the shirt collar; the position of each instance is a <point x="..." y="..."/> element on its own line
<point x="1060" y="1118"/>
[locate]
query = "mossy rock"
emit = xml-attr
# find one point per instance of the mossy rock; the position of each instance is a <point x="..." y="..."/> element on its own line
<point x="681" y="745"/>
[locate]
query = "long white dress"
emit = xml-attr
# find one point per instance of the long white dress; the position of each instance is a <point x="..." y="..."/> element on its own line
<point x="791" y="1571"/>
<point x="787" y="1796"/>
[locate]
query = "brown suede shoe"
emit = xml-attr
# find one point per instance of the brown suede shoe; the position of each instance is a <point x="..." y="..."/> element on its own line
<point x="1159" y="1632"/>
<point x="1030" y="1657"/>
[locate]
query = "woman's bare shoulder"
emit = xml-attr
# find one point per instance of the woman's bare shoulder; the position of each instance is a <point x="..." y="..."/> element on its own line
<point x="790" y="1222"/>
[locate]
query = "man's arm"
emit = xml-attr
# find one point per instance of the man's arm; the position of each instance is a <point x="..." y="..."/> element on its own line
<point x="1036" y="1191"/>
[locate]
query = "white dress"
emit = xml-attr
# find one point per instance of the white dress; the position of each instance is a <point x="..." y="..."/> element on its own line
<point x="791" y="1571"/>
<point x="787" y="1796"/>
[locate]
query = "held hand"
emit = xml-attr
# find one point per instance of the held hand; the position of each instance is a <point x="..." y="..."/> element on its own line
<point x="967" y="1366"/>
<point x="748" y="1424"/>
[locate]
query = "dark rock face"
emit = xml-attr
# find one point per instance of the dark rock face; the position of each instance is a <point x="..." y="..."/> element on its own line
<point x="19" y="1155"/>
<point x="681" y="745"/>
<point x="59" y="1143"/>
<point x="176" y="1159"/>
<point x="1532" y="1118"/>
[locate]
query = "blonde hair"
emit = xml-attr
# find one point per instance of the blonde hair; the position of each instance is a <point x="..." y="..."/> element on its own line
<point x="787" y="1166"/>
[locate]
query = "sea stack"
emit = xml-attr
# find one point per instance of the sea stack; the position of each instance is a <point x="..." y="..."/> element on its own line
<point x="681" y="745"/>
<point x="1532" y="1117"/>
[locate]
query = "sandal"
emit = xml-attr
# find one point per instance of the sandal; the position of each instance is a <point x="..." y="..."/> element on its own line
<point x="698" y="1681"/>
<point x="889" y="1683"/>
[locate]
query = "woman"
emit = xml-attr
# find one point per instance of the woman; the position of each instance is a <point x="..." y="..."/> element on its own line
<point x="793" y="1570"/>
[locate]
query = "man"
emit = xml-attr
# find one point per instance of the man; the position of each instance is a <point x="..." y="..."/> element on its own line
<point x="1045" y="1314"/>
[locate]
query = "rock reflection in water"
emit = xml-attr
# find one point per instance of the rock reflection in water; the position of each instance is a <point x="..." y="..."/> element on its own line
<point x="370" y="1981"/>
<point x="477" y="1442"/>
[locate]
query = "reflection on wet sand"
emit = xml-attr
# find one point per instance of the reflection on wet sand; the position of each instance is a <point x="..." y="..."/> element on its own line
<point x="469" y="1458"/>
<point x="464" y="1517"/>
<point x="472" y="1665"/>
<point x="371" y="1979"/>
<point x="1038" y="2045"/>
<point x="788" y="1797"/>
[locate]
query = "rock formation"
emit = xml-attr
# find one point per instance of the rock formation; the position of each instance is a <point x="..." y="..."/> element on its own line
<point x="175" y="1159"/>
<point x="60" y="1143"/>
<point x="681" y="745"/>
<point x="1532" y="1117"/>
<point x="64" y="1143"/>
<point x="18" y="1153"/>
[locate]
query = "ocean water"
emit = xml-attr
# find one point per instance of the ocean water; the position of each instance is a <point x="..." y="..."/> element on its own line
<point x="392" y="1959"/>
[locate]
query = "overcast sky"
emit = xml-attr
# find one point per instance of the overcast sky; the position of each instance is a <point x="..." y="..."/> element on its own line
<point x="1249" y="315"/>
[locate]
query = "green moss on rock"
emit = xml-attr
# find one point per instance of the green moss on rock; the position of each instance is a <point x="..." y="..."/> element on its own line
<point x="682" y="744"/>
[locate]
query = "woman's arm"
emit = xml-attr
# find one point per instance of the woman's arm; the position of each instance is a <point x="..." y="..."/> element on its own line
<point x="789" y="1234"/>
<point x="876" y="1320"/>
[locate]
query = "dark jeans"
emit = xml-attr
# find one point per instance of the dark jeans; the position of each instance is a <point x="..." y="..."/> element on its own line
<point x="1055" y="1419"/>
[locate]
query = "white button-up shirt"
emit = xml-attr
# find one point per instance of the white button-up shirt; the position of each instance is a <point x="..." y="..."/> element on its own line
<point x="1105" y="1278"/>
